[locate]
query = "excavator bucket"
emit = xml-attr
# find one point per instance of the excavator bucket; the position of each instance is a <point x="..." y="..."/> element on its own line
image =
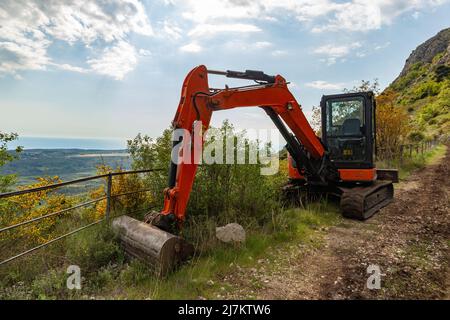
<point x="159" y="249"/>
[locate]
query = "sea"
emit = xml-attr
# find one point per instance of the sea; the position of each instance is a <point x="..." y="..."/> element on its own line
<point x="67" y="143"/>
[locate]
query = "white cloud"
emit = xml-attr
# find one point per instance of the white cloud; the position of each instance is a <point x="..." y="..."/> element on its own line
<point x="92" y="20"/>
<point x="202" y="11"/>
<point x="262" y="44"/>
<point x="207" y="30"/>
<point x="353" y="16"/>
<point x="115" y="61"/>
<point x="337" y="51"/>
<point x="292" y="85"/>
<point x="69" y="67"/>
<point x="321" y="15"/>
<point x="246" y="45"/>
<point x="333" y="52"/>
<point x="28" y="28"/>
<point x="145" y="53"/>
<point x="324" y="85"/>
<point x="382" y="46"/>
<point x="171" y="30"/>
<point x="25" y="54"/>
<point x="192" y="47"/>
<point x="277" y="53"/>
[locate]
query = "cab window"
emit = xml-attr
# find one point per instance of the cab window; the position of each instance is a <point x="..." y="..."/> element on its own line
<point x="345" y="126"/>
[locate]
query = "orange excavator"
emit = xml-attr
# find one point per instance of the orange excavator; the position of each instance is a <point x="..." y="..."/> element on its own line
<point x="340" y="163"/>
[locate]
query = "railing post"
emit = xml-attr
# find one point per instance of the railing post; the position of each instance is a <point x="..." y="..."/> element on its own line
<point x="401" y="154"/>
<point x="108" y="196"/>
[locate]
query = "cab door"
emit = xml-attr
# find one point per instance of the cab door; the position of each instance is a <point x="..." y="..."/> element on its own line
<point x="348" y="129"/>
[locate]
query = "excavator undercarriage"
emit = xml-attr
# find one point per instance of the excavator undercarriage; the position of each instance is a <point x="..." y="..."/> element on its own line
<point x="355" y="202"/>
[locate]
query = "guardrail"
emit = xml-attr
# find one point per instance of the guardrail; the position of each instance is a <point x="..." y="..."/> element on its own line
<point x="108" y="197"/>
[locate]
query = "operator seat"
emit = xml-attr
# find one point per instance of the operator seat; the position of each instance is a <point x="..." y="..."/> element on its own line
<point x="351" y="127"/>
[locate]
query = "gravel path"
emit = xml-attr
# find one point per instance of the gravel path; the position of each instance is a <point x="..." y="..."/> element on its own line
<point x="408" y="241"/>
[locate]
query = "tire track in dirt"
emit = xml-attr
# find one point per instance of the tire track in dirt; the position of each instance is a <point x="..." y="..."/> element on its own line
<point x="408" y="240"/>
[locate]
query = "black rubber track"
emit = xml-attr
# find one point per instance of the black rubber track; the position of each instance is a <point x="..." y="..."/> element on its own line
<point x="363" y="202"/>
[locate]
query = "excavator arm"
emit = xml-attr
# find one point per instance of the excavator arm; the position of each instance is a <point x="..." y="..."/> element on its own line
<point x="195" y="109"/>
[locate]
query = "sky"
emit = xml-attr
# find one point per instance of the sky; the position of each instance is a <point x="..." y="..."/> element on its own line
<point x="109" y="69"/>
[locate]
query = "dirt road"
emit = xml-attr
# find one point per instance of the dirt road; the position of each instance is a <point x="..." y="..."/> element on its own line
<point x="408" y="241"/>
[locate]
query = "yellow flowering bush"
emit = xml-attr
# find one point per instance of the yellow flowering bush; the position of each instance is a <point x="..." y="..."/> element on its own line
<point x="121" y="184"/>
<point x="32" y="205"/>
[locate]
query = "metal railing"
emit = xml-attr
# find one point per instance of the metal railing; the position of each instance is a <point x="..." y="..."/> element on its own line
<point x="405" y="151"/>
<point x="108" y="197"/>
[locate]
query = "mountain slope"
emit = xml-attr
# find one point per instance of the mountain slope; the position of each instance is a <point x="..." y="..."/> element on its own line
<point x="423" y="88"/>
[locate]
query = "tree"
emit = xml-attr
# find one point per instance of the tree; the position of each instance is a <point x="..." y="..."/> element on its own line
<point x="226" y="192"/>
<point x="7" y="156"/>
<point x="364" y="86"/>
<point x="392" y="122"/>
<point x="148" y="153"/>
<point x="316" y="120"/>
<point x="392" y="125"/>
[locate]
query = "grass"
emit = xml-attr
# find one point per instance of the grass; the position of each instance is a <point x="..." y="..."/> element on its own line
<point x="418" y="161"/>
<point x="107" y="274"/>
<point x="201" y="277"/>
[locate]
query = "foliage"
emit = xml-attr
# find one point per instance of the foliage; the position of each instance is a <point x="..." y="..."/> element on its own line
<point x="5" y="157"/>
<point x="442" y="72"/>
<point x="147" y="153"/>
<point x="424" y="91"/>
<point x="415" y="72"/>
<point x="364" y="86"/>
<point x="391" y="125"/>
<point x="392" y="122"/>
<point x="123" y="200"/>
<point x="218" y="191"/>
<point x="316" y="120"/>
<point x="93" y="249"/>
<point x="28" y="206"/>
<point x="203" y="275"/>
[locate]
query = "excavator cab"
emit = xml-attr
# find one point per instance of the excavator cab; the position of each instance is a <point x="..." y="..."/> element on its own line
<point x="348" y="132"/>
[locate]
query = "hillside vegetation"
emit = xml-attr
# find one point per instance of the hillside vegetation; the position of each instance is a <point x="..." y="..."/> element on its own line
<point x="423" y="89"/>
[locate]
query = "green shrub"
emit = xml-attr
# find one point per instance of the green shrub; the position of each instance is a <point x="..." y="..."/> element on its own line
<point x="416" y="136"/>
<point x="415" y="71"/>
<point x="51" y="285"/>
<point x="433" y="110"/>
<point x="93" y="248"/>
<point x="221" y="193"/>
<point x="135" y="272"/>
<point x="426" y="89"/>
<point x="442" y="72"/>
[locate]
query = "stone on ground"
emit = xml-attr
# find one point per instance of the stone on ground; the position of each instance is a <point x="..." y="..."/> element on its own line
<point x="231" y="232"/>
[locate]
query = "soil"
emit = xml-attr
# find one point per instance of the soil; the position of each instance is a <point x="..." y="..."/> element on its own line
<point x="408" y="241"/>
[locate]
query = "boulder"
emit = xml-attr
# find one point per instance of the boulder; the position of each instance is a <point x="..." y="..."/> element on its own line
<point x="231" y="232"/>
